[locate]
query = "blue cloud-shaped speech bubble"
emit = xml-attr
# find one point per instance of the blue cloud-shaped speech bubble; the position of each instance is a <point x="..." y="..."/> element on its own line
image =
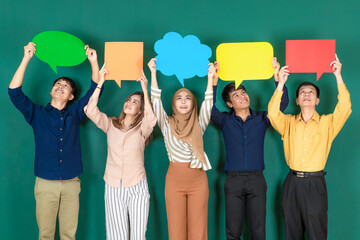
<point x="185" y="57"/>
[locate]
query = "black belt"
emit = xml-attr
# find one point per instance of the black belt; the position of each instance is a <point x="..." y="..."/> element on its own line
<point x="237" y="173"/>
<point x="307" y="174"/>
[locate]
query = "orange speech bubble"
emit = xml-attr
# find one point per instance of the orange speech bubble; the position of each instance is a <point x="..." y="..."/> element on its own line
<point x="124" y="60"/>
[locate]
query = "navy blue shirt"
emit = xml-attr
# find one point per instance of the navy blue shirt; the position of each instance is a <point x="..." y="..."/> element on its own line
<point x="57" y="135"/>
<point x="244" y="141"/>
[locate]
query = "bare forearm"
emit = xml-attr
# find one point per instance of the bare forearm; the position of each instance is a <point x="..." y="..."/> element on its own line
<point x="18" y="78"/>
<point x="339" y="79"/>
<point x="276" y="77"/>
<point x="146" y="97"/>
<point x="154" y="83"/>
<point x="95" y="71"/>
<point x="280" y="86"/>
<point x="97" y="91"/>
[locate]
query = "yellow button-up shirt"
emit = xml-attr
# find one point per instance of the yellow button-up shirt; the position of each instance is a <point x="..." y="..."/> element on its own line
<point x="307" y="145"/>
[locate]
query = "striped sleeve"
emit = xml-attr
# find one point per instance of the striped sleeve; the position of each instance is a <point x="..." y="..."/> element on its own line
<point x="205" y="111"/>
<point x="159" y="110"/>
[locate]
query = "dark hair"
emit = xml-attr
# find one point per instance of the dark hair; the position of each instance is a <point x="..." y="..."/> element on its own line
<point x="308" y="84"/>
<point x="229" y="88"/>
<point x="74" y="88"/>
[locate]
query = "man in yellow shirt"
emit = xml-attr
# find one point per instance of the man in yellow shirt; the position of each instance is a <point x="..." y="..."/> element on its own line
<point x="307" y="139"/>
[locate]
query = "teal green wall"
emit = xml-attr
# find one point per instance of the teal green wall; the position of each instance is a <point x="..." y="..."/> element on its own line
<point x="214" y="22"/>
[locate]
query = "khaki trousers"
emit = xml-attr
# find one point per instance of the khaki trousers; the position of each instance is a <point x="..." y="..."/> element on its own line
<point x="55" y="197"/>
<point x="186" y="197"/>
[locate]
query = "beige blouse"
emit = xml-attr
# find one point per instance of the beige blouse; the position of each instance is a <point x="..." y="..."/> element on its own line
<point x="177" y="150"/>
<point x="125" y="159"/>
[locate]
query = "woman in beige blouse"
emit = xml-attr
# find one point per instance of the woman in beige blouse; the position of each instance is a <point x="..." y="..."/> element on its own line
<point x="126" y="190"/>
<point x="186" y="184"/>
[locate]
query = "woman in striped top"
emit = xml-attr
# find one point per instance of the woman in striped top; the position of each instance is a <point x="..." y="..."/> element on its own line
<point x="186" y="186"/>
<point x="126" y="190"/>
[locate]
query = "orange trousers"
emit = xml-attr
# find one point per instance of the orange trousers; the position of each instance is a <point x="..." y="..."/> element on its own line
<point x="186" y="197"/>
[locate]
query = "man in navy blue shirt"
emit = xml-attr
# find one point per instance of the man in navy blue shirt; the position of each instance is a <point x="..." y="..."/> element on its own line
<point x="244" y="133"/>
<point x="57" y="147"/>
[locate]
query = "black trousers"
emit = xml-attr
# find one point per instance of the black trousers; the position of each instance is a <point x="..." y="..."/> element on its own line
<point x="305" y="206"/>
<point x="245" y="192"/>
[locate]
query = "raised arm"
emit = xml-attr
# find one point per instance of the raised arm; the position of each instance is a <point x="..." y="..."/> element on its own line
<point x="343" y="107"/>
<point x="144" y="86"/>
<point x="285" y="97"/>
<point x="91" y="109"/>
<point x="276" y="66"/>
<point x="17" y="80"/>
<point x="101" y="79"/>
<point x="206" y="106"/>
<point x="212" y="76"/>
<point x="217" y="117"/>
<point x="80" y="104"/>
<point x="158" y="108"/>
<point x="149" y="119"/>
<point x="92" y="57"/>
<point x="336" y="67"/>
<point x="152" y="67"/>
<point x="277" y="118"/>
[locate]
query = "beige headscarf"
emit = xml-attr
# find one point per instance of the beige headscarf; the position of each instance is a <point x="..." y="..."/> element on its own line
<point x="186" y="127"/>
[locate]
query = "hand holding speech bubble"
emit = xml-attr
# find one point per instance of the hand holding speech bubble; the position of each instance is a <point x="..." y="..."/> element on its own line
<point x="183" y="57"/>
<point x="306" y="56"/>
<point x="124" y="60"/>
<point x="245" y="61"/>
<point x="59" y="49"/>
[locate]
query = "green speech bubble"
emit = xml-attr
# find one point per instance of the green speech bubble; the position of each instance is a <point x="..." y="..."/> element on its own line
<point x="59" y="49"/>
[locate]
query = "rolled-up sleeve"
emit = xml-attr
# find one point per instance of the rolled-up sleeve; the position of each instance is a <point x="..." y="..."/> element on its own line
<point x="22" y="103"/>
<point x="148" y="121"/>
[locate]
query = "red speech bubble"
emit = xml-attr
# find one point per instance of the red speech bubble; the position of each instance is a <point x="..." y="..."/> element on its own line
<point x="306" y="56"/>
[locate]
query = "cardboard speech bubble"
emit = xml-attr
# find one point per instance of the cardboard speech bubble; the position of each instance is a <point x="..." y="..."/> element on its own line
<point x="184" y="57"/>
<point x="308" y="56"/>
<point x="245" y="61"/>
<point x="59" y="49"/>
<point x="124" y="60"/>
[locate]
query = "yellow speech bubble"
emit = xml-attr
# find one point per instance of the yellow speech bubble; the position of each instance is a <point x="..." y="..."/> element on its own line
<point x="245" y="61"/>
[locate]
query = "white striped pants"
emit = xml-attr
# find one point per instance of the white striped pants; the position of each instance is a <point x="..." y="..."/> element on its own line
<point x="124" y="204"/>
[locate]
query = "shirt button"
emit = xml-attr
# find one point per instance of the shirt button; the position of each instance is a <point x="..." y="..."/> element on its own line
<point x="61" y="118"/>
<point x="60" y="139"/>
<point x="60" y="129"/>
<point x="60" y="150"/>
<point x="60" y="160"/>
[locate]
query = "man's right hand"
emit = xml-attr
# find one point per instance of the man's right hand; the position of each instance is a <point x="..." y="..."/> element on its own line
<point x="29" y="51"/>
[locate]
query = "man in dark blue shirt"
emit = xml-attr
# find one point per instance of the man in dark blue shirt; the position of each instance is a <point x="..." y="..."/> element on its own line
<point x="244" y="133"/>
<point x="57" y="147"/>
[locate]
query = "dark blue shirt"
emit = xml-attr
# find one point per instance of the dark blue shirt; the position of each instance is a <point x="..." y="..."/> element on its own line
<point x="57" y="136"/>
<point x="244" y="141"/>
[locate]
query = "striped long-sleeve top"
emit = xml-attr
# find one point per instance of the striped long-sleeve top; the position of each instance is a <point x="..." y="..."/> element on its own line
<point x="177" y="150"/>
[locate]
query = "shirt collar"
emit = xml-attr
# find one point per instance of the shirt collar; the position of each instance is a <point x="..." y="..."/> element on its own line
<point x="315" y="117"/>
<point x="50" y="107"/>
<point x="252" y="114"/>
